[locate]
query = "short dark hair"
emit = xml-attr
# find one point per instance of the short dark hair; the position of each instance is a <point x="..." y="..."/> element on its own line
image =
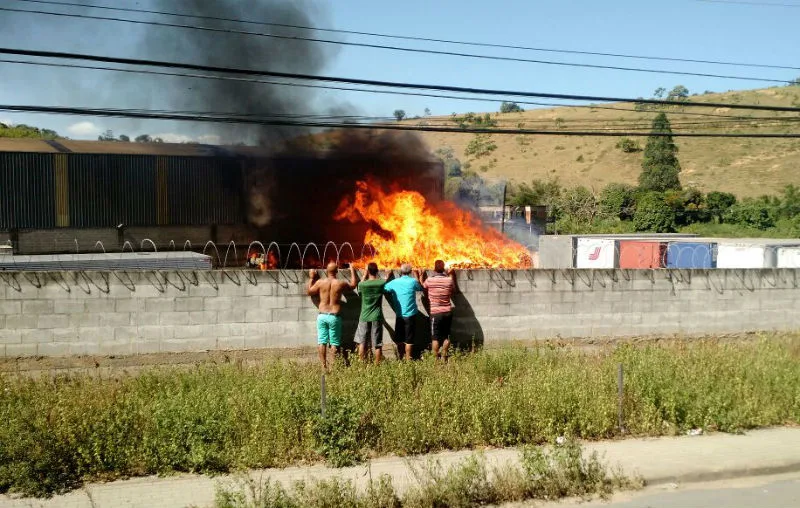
<point x="438" y="266"/>
<point x="372" y="269"/>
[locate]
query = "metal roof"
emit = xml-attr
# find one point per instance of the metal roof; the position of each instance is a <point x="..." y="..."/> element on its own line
<point x="128" y="148"/>
<point x="170" y="149"/>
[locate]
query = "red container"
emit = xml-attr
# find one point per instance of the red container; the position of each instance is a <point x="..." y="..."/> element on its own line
<point x="636" y="254"/>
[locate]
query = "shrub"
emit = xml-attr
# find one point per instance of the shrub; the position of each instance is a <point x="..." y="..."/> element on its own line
<point x="510" y="107"/>
<point x="480" y="146"/>
<point x="654" y="214"/>
<point x="628" y="145"/>
<point x="337" y="433"/>
<point x="757" y="213"/>
<point x="689" y="206"/>
<point x="719" y="203"/>
<point x="618" y="200"/>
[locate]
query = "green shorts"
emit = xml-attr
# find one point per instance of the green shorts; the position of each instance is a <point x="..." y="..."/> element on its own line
<point x="329" y="330"/>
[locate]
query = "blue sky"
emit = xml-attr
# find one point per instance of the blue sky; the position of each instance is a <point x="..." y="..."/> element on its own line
<point x="682" y="29"/>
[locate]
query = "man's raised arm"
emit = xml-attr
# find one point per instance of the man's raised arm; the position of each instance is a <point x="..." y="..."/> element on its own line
<point x="311" y="288"/>
<point x="353" y="281"/>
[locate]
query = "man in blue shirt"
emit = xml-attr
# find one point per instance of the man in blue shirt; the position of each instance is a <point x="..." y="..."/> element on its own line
<point x="402" y="295"/>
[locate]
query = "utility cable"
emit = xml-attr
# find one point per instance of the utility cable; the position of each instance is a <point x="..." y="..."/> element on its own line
<point x="379" y="83"/>
<point x="409" y="37"/>
<point x="363" y="90"/>
<point x="395" y="127"/>
<point x="398" y="48"/>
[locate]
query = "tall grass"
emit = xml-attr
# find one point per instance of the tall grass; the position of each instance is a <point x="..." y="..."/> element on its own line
<point x="59" y="432"/>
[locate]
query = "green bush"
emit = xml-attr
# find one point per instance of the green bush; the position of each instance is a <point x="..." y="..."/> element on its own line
<point x="510" y="107"/>
<point x="689" y="205"/>
<point x="629" y="145"/>
<point x="59" y="432"/>
<point x="26" y="131"/>
<point x="480" y="146"/>
<point x="719" y="203"/>
<point x="618" y="200"/>
<point x="337" y="433"/>
<point x="756" y="213"/>
<point x="654" y="214"/>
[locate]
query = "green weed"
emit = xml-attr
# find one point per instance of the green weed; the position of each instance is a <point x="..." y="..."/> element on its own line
<point x="58" y="432"/>
<point x="545" y="473"/>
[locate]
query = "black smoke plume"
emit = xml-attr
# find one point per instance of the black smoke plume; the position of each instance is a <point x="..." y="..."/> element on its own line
<point x="296" y="182"/>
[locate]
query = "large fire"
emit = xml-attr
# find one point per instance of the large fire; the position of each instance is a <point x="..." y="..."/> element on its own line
<point x="405" y="228"/>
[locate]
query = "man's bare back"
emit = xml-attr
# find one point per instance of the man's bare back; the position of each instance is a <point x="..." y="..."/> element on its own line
<point x="330" y="289"/>
<point x="330" y="295"/>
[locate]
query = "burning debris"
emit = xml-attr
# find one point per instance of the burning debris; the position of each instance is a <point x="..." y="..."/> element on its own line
<point x="406" y="228"/>
<point x="262" y="261"/>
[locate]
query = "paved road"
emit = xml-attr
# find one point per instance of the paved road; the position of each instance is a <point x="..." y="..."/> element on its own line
<point x="763" y="492"/>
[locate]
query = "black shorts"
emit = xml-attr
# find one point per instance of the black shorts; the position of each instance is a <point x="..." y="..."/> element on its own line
<point x="404" y="329"/>
<point x="440" y="326"/>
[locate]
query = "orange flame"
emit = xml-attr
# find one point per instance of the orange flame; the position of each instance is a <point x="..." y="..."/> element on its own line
<point x="405" y="228"/>
<point x="272" y="261"/>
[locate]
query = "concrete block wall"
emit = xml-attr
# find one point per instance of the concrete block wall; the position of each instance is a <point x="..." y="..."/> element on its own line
<point x="44" y="241"/>
<point x="125" y="313"/>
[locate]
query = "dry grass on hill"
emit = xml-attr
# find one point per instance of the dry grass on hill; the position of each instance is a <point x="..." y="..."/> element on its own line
<point x="746" y="167"/>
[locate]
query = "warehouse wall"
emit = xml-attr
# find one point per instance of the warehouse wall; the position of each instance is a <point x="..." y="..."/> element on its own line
<point x="144" y="312"/>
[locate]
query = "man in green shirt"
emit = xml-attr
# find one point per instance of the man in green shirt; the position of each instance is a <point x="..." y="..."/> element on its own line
<point x="369" y="334"/>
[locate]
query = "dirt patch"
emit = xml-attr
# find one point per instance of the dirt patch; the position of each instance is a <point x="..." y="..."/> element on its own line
<point x="109" y="366"/>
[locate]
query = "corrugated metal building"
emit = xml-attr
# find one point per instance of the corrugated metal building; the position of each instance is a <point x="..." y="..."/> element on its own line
<point x="87" y="185"/>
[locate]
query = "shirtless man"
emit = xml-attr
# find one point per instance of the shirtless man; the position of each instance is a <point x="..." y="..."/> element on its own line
<point x="329" y="322"/>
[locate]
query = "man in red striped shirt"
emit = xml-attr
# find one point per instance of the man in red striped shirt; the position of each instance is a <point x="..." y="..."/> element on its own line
<point x="439" y="290"/>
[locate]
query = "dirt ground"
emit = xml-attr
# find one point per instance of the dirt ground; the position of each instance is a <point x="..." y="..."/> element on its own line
<point x="122" y="365"/>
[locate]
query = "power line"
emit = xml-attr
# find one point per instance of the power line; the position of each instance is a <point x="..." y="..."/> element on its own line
<point x="378" y="83"/>
<point x="399" y="48"/>
<point x="631" y="124"/>
<point x="343" y="125"/>
<point x="362" y="90"/>
<point x="411" y="38"/>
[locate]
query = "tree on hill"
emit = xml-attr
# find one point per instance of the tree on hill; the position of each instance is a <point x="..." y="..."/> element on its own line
<point x="124" y="138"/>
<point x="538" y="192"/>
<point x="143" y="138"/>
<point x="660" y="167"/>
<point x="510" y="107"/>
<point x="107" y="136"/>
<point x="452" y="166"/>
<point x="26" y="131"/>
<point x="399" y="114"/>
<point x="679" y="93"/>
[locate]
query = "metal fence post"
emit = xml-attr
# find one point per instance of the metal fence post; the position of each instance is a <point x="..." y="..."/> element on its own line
<point x="620" y="398"/>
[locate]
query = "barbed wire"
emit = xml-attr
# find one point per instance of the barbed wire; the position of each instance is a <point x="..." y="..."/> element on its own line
<point x="588" y="252"/>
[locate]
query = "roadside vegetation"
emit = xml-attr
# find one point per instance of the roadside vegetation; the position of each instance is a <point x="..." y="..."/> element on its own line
<point x="60" y="431"/>
<point x="544" y="473"/>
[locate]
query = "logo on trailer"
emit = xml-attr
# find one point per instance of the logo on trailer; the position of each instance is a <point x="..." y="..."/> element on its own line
<point x="595" y="254"/>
